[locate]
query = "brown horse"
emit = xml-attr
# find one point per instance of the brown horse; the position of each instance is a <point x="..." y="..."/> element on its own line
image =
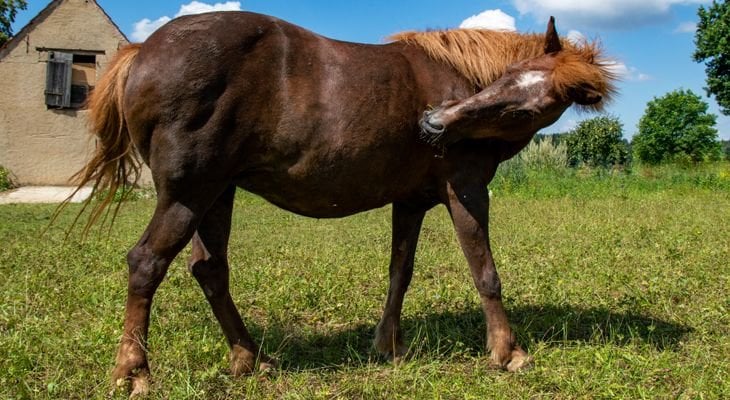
<point x="321" y="128"/>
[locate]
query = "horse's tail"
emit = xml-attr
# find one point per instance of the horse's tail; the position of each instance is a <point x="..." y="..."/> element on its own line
<point x="114" y="166"/>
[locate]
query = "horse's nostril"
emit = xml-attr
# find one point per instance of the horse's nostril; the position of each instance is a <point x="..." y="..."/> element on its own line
<point x="437" y="127"/>
<point x="432" y="132"/>
<point x="432" y="127"/>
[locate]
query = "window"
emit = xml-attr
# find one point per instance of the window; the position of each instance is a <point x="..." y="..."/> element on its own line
<point x="69" y="79"/>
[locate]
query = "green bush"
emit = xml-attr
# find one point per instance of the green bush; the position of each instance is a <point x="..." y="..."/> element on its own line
<point x="597" y="142"/>
<point x="545" y="154"/>
<point x="5" y="181"/>
<point x="542" y="154"/>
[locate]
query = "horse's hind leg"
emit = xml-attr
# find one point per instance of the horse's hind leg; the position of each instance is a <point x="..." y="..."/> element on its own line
<point x="406" y="227"/>
<point x="209" y="266"/>
<point x="170" y="229"/>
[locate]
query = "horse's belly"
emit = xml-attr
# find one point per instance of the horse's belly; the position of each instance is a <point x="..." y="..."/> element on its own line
<point x="321" y="198"/>
<point x="318" y="204"/>
<point x="325" y="210"/>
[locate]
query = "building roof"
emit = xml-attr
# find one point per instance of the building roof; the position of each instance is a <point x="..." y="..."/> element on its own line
<point x="18" y="38"/>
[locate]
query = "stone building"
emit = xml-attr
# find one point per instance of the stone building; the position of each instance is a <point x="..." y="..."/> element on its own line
<point x="47" y="71"/>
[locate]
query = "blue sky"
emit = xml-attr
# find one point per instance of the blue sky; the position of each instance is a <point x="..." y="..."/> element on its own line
<point x="651" y="39"/>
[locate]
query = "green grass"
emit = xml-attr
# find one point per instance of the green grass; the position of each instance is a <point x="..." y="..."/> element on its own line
<point x="616" y="295"/>
<point x="515" y="177"/>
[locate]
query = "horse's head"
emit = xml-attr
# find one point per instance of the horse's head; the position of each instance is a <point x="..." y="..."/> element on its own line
<point x="529" y="96"/>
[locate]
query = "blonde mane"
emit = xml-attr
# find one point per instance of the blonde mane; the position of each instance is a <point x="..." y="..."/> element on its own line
<point x="482" y="56"/>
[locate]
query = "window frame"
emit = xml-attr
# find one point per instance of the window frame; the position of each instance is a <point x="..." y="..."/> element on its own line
<point x="59" y="81"/>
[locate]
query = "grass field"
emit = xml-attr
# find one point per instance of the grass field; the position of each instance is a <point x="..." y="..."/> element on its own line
<point x="618" y="286"/>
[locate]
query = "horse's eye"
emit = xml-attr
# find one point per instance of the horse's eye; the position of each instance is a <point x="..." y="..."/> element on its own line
<point x="522" y="113"/>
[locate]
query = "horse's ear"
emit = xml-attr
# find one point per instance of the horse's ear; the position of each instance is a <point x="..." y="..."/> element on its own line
<point x="552" y="41"/>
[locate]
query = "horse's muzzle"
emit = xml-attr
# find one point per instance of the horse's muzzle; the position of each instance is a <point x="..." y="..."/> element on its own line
<point x="432" y="131"/>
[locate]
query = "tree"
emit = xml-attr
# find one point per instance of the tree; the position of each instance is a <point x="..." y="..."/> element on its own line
<point x="725" y="148"/>
<point x="8" y="10"/>
<point x="712" y="40"/>
<point x="597" y="142"/>
<point x="676" y="127"/>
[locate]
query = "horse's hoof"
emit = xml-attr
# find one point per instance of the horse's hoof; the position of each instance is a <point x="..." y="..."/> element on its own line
<point x="520" y="361"/>
<point x="388" y="346"/>
<point x="137" y="386"/>
<point x="243" y="362"/>
<point x="398" y="359"/>
<point x="140" y="387"/>
<point x="512" y="360"/>
<point x="136" y="381"/>
<point x="396" y="354"/>
<point x="267" y="367"/>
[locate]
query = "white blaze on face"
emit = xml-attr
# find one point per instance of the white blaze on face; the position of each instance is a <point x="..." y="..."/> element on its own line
<point x="530" y="78"/>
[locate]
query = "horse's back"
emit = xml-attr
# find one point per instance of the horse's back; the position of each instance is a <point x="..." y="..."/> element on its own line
<point x="196" y="58"/>
<point x="272" y="75"/>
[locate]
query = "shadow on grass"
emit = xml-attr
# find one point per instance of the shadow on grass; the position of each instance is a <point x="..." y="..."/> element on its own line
<point x="445" y="334"/>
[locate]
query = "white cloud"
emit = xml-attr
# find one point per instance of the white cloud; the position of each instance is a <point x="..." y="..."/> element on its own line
<point x="686" y="27"/>
<point x="196" y="7"/>
<point x="619" y="68"/>
<point x="145" y="27"/>
<point x="490" y="19"/>
<point x="628" y="73"/>
<point x="603" y="14"/>
<point x="576" y="37"/>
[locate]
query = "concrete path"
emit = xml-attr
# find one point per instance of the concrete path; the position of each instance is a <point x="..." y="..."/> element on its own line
<point x="43" y="194"/>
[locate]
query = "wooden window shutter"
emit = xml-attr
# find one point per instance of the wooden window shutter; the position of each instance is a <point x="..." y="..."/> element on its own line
<point x="58" y="79"/>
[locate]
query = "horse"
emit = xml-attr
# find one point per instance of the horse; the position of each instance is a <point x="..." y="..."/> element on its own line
<point x="325" y="129"/>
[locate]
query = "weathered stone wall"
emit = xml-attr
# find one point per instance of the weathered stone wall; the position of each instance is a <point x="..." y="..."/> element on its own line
<point x="40" y="145"/>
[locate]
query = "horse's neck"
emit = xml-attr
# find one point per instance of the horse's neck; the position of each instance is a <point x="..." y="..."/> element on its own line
<point x="510" y="149"/>
<point x="479" y="55"/>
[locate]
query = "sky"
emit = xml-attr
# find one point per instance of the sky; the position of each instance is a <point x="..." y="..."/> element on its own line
<point x="652" y="40"/>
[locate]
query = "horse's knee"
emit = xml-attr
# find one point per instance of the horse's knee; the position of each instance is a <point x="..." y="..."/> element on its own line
<point x="488" y="284"/>
<point x="146" y="270"/>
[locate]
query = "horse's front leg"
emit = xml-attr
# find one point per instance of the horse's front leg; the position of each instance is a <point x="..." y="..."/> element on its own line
<point x="406" y="227"/>
<point x="468" y="205"/>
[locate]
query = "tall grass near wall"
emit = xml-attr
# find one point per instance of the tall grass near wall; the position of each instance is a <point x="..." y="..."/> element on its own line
<point x="5" y="181"/>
